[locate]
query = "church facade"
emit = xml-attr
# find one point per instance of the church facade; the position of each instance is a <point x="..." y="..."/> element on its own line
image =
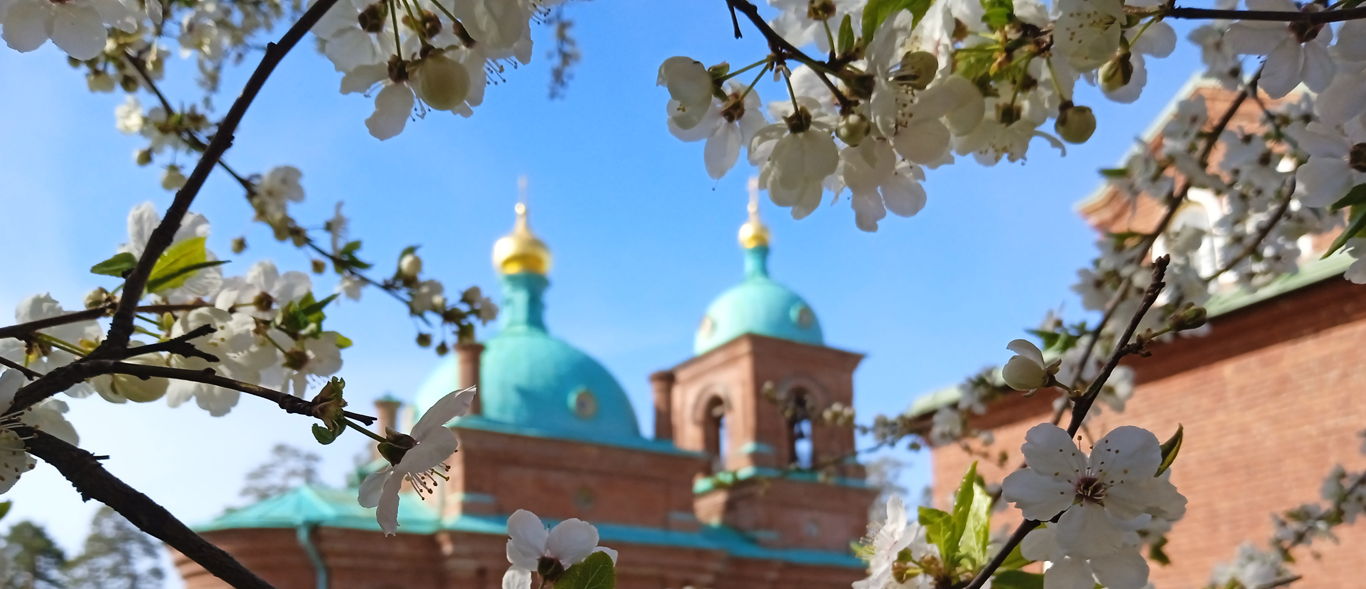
<point x="723" y="494"/>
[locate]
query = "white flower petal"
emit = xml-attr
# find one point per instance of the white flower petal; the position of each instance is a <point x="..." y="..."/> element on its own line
<point x="1324" y="180"/>
<point x="1125" y="569"/>
<point x="1318" y="68"/>
<point x="1068" y="573"/>
<point x="393" y="105"/>
<point x="722" y="150"/>
<point x="77" y="29"/>
<point x="387" y="511"/>
<point x="373" y="484"/>
<point x="517" y="578"/>
<point x="1049" y="451"/>
<point x="1087" y="531"/>
<point x="571" y="541"/>
<point x="1282" y="70"/>
<point x="1038" y="497"/>
<point x="1127" y="452"/>
<point x="527" y="535"/>
<point x="27" y="24"/>
<point x="454" y="404"/>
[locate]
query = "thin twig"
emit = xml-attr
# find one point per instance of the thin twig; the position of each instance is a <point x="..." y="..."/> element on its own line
<point x="782" y="48"/>
<point x="289" y="403"/>
<point x="1312" y="18"/>
<point x="28" y="327"/>
<point x="28" y="373"/>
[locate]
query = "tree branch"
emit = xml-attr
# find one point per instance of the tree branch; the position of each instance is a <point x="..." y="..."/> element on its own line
<point x="122" y="327"/>
<point x="784" y="49"/>
<point x="1083" y="404"/>
<point x="290" y="403"/>
<point x="1313" y="18"/>
<point x="28" y="327"/>
<point x="92" y="481"/>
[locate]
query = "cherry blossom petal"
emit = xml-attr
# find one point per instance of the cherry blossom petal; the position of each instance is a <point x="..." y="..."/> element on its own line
<point x="393" y="106"/>
<point x="527" y="537"/>
<point x="454" y="404"/>
<point x="373" y="484"/>
<point x="517" y="578"/>
<point x="722" y="150"/>
<point x="1127" y="452"/>
<point x="1039" y="545"/>
<point x="1324" y="180"/>
<point x="1159" y="40"/>
<point x="1050" y="452"/>
<point x="571" y="541"/>
<point x="14" y="460"/>
<point x="1125" y="569"/>
<point x="924" y="141"/>
<point x="386" y="513"/>
<point x="1351" y="45"/>
<point x="1282" y="70"/>
<point x="1068" y="573"/>
<point x="868" y="209"/>
<point x="1038" y="497"/>
<point x="27" y="24"/>
<point x="1087" y="531"/>
<point x="78" y="30"/>
<point x="431" y="450"/>
<point x="903" y="196"/>
<point x="1318" y="68"/>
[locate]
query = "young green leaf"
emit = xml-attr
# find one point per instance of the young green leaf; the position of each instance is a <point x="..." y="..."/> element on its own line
<point x="323" y="435"/>
<point x="1355" y="227"/>
<point x="937" y="524"/>
<point x="4" y="508"/>
<point x="877" y="11"/>
<point x="1015" y="560"/>
<point x="1355" y="196"/>
<point x="169" y="271"/>
<point x="117" y="265"/>
<point x="1017" y="580"/>
<point x="595" y="572"/>
<point x="180" y="276"/>
<point x="1170" y="449"/>
<point x="846" y="38"/>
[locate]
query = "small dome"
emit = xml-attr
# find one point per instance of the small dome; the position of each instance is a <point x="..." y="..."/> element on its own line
<point x="761" y="306"/>
<point x="521" y="251"/>
<point x="538" y="382"/>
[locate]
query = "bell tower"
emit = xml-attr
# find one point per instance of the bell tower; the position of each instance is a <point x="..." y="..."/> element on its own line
<point x="752" y="400"/>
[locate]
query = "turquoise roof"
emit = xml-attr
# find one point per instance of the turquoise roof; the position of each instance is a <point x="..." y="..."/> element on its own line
<point x="534" y="383"/>
<point x="758" y="305"/>
<point x="337" y="508"/>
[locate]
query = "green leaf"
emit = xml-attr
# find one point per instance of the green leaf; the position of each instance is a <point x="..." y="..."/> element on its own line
<point x="846" y="37"/>
<point x="181" y="275"/>
<point x="1355" y="196"/>
<point x="968" y="531"/>
<point x="169" y="272"/>
<point x="4" y="508"/>
<point x="1017" y="580"/>
<point x="877" y="11"/>
<point x="595" y="572"/>
<point x="343" y="342"/>
<point x="1170" y="449"/>
<point x="1157" y="552"/>
<point x="323" y="435"/>
<point x="937" y="524"/>
<point x="1114" y="172"/>
<point x="118" y="265"/>
<point x="1355" y="226"/>
<point x="997" y="13"/>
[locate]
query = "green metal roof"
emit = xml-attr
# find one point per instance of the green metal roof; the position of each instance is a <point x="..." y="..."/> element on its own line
<point x="758" y="305"/>
<point x="1218" y="305"/>
<point x="337" y="508"/>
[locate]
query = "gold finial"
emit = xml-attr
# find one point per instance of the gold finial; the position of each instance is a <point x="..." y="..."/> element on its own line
<point x="753" y="233"/>
<point x="521" y="251"/>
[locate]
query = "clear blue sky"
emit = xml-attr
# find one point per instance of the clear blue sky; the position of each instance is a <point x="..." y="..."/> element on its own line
<point x="643" y="238"/>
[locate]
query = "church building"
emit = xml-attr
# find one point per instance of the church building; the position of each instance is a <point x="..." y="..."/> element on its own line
<point x="723" y="494"/>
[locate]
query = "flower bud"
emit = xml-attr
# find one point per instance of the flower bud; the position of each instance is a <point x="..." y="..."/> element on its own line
<point x="318" y="266"/>
<point x="852" y="129"/>
<point x="239" y="245"/>
<point x="442" y="83"/>
<point x="442" y="349"/>
<point x="917" y="69"/>
<point x="1190" y="316"/>
<point x="96" y="298"/>
<point x="172" y="179"/>
<point x="98" y="81"/>
<point x="1116" y="73"/>
<point x="142" y="157"/>
<point x="424" y="340"/>
<point x="410" y="265"/>
<point x="1075" y="124"/>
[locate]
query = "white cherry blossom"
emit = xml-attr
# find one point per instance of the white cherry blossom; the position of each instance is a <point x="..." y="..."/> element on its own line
<point x="1094" y="496"/>
<point x="46" y="416"/>
<point x="1026" y="370"/>
<point x="690" y="90"/>
<point x="1294" y="53"/>
<point x="1336" y="163"/>
<point x="895" y="535"/>
<point x="567" y="544"/>
<point x="1123" y="569"/>
<point x="417" y="458"/>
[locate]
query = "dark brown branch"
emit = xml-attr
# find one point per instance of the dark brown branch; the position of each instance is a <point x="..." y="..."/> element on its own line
<point x="92" y="481"/>
<point x="27" y="328"/>
<point x="122" y="327"/>
<point x="1312" y="18"/>
<point x="28" y="373"/>
<point x="784" y="49"/>
<point x="287" y="402"/>
<point x="1083" y="404"/>
<point x="179" y="345"/>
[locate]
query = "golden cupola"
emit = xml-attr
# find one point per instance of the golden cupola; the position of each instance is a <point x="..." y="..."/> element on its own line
<point x="753" y="233"/>
<point x="521" y="251"/>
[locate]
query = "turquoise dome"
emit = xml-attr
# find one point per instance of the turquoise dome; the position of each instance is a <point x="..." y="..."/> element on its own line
<point x="758" y="305"/>
<point x="537" y="383"/>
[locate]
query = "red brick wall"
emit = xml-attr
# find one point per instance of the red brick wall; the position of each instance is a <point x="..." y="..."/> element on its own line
<point x="1270" y="401"/>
